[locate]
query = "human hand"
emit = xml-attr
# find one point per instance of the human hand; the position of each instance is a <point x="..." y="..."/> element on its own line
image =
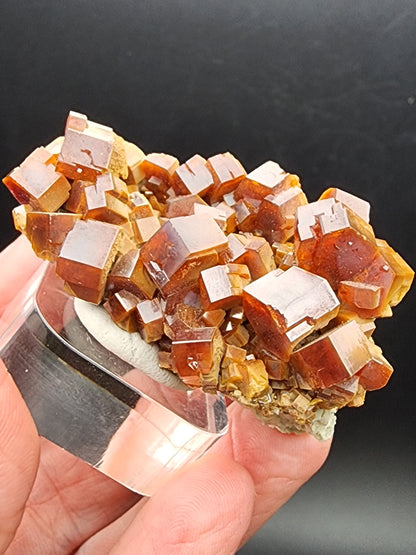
<point x="52" y="502"/>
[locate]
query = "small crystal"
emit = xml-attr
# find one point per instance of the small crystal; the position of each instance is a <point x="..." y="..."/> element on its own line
<point x="196" y="356"/>
<point x="227" y="173"/>
<point x="193" y="177"/>
<point x="130" y="274"/>
<point x="150" y="320"/>
<point x="222" y="286"/>
<point x="122" y="308"/>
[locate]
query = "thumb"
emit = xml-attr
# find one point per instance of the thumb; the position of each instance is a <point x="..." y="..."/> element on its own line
<point x="205" y="508"/>
<point x="19" y="457"/>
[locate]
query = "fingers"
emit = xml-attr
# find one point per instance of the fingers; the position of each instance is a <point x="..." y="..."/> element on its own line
<point x="249" y="474"/>
<point x="18" y="263"/>
<point x="277" y="463"/>
<point x="19" y="456"/>
<point x="205" y="508"/>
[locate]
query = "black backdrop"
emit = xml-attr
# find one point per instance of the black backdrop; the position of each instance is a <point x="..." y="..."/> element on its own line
<point x="325" y="87"/>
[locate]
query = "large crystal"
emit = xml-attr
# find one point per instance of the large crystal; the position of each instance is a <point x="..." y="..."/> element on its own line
<point x="285" y="307"/>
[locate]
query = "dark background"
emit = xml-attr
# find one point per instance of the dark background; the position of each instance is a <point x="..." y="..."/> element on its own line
<point x="327" y="89"/>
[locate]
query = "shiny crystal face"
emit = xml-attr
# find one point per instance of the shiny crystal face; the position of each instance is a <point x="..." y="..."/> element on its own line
<point x="245" y="286"/>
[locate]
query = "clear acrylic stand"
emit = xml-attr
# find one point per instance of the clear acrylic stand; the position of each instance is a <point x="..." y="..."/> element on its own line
<point x="93" y="404"/>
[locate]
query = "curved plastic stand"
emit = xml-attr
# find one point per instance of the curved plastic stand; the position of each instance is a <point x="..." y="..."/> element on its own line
<point x="93" y="404"/>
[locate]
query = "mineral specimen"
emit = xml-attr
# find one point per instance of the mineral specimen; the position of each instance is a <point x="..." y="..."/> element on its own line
<point x="245" y="286"/>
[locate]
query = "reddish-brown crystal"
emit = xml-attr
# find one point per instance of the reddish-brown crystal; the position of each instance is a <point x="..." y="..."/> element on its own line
<point x="130" y="274"/>
<point x="196" y="356"/>
<point x="181" y="206"/>
<point x="356" y="204"/>
<point x="333" y="242"/>
<point x="214" y="318"/>
<point x="359" y="295"/>
<point x="246" y="214"/>
<point x="107" y="200"/>
<point x="181" y="249"/>
<point x="47" y="231"/>
<point x="158" y="169"/>
<point x="285" y="307"/>
<point x="77" y="202"/>
<point x="377" y="372"/>
<point x="281" y="344"/>
<point x="258" y="257"/>
<point x="334" y="357"/>
<point x="86" y="257"/>
<point x="276" y="214"/>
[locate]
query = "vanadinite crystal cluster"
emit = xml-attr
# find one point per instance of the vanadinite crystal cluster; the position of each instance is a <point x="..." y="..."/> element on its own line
<point x="247" y="288"/>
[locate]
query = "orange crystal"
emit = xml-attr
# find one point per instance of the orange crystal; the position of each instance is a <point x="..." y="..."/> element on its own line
<point x="158" y="169"/>
<point x="88" y="149"/>
<point x="248" y="377"/>
<point x="267" y="179"/>
<point x="182" y="205"/>
<point x="134" y="159"/>
<point x="36" y="182"/>
<point x="150" y="320"/>
<point x="196" y="356"/>
<point x="222" y="286"/>
<point x="106" y="200"/>
<point x="227" y="173"/>
<point x="356" y="204"/>
<point x="193" y="177"/>
<point x="130" y="274"/>
<point x="335" y="243"/>
<point x="276" y="214"/>
<point x="122" y="308"/>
